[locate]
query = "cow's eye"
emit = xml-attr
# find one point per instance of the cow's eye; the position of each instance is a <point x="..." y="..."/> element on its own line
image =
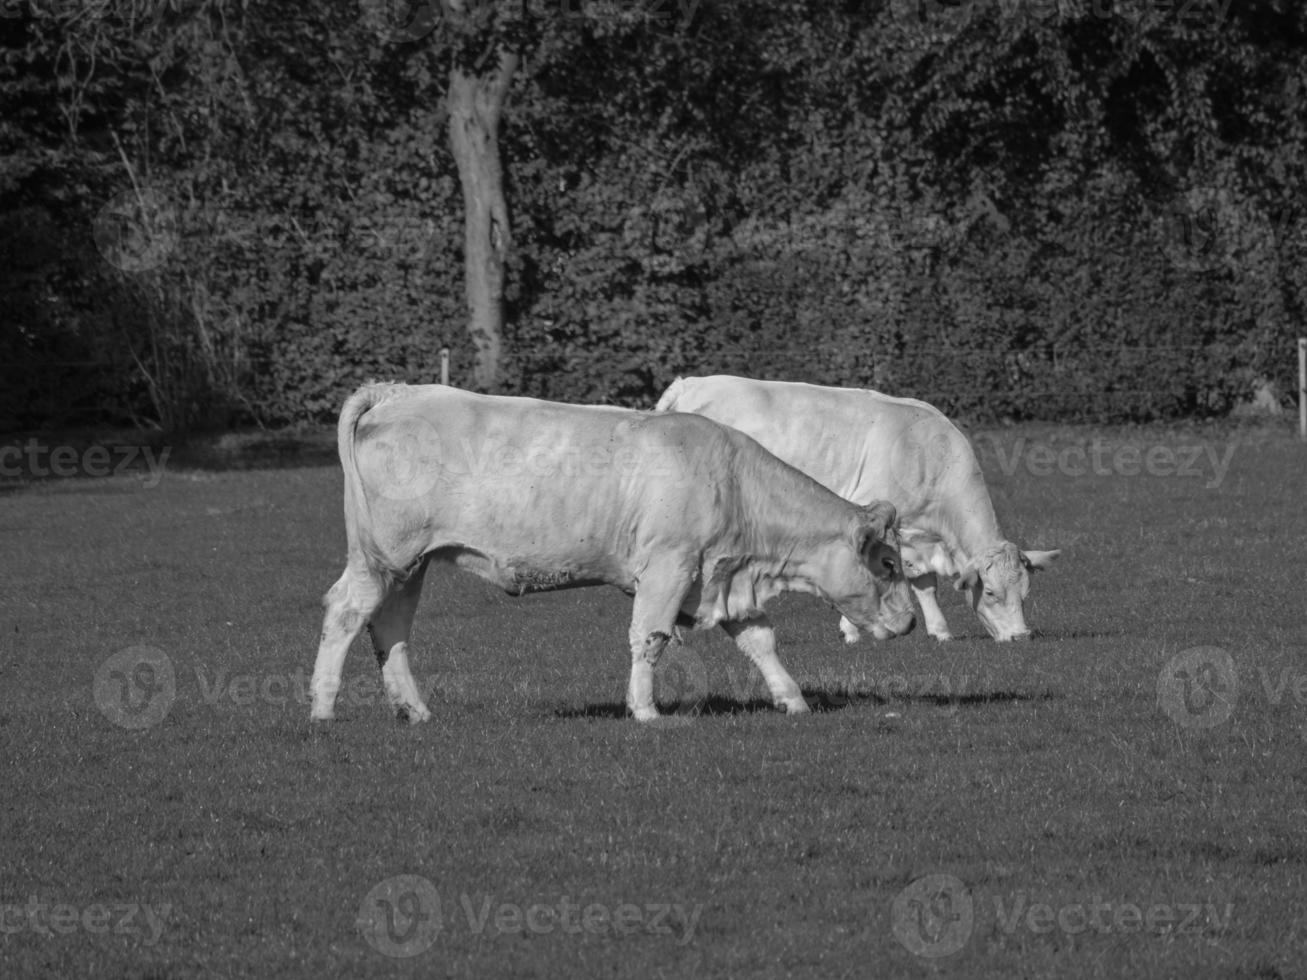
<point x="889" y="565"/>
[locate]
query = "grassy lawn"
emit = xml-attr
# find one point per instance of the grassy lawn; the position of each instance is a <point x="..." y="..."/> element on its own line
<point x="1123" y="796"/>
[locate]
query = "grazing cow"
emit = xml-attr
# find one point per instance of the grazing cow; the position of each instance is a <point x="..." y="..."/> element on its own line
<point x="696" y="520"/>
<point x="865" y="446"/>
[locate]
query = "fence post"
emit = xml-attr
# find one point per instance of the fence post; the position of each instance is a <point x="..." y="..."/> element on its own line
<point x="1302" y="387"/>
<point x="444" y="365"/>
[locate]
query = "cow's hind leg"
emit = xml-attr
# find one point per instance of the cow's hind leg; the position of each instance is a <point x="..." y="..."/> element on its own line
<point x="757" y="640"/>
<point x="349" y="603"/>
<point x="653" y="617"/>
<point x="390" y="628"/>
<point x="923" y="587"/>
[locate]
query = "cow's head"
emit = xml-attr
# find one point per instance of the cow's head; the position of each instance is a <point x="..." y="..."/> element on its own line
<point x="865" y="580"/>
<point x="997" y="582"/>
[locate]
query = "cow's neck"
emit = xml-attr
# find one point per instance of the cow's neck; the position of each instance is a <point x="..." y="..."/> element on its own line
<point x="779" y="554"/>
<point x="789" y="515"/>
<point x="967" y="530"/>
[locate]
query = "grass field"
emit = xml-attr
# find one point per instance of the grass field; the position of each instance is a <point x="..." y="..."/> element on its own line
<point x="1124" y="796"/>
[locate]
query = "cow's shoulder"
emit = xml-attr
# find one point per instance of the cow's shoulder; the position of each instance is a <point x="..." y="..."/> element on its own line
<point x="679" y="430"/>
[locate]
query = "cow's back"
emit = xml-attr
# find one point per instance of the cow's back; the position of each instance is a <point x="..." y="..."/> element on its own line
<point x="580" y="490"/>
<point x="862" y="444"/>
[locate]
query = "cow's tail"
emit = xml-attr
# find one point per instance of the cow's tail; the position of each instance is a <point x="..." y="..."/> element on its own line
<point x="358" y="513"/>
<point x="668" y="402"/>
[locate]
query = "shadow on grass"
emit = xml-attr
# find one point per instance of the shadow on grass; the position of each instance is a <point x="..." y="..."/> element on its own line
<point x="819" y="701"/>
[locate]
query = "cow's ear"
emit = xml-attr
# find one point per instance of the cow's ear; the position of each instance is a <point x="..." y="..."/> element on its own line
<point x="968" y="577"/>
<point x="882" y="515"/>
<point x="869" y="536"/>
<point x="1038" y="559"/>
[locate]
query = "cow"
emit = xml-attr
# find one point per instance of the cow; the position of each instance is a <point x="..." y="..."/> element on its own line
<point x="865" y="446"/>
<point x="695" y="520"/>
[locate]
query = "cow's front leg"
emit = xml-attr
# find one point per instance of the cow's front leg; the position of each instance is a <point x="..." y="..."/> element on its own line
<point x="757" y="639"/>
<point x="850" y="632"/>
<point x="646" y="648"/>
<point x="923" y="587"/>
<point x="653" y="617"/>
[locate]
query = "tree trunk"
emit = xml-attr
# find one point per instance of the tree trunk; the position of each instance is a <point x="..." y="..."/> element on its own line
<point x="475" y="101"/>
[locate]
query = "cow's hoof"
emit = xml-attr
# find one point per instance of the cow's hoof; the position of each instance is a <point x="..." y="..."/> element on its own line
<point x="794" y="706"/>
<point x="645" y="714"/>
<point x="413" y="715"/>
<point x="325" y="714"/>
<point x="942" y="637"/>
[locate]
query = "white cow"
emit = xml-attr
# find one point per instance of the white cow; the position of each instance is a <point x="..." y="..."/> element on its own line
<point x="694" y="519"/>
<point x="865" y="446"/>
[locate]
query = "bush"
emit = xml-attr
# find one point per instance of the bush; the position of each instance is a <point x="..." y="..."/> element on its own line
<point x="1064" y="216"/>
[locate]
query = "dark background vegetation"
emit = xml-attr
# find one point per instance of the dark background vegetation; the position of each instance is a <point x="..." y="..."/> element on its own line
<point x="1015" y="209"/>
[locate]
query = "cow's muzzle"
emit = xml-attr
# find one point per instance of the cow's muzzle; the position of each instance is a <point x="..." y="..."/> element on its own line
<point x="900" y="625"/>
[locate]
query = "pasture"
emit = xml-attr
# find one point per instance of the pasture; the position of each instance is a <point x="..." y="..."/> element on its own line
<point x="1123" y="796"/>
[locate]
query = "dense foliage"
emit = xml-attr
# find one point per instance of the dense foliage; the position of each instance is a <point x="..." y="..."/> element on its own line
<point x="218" y="211"/>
